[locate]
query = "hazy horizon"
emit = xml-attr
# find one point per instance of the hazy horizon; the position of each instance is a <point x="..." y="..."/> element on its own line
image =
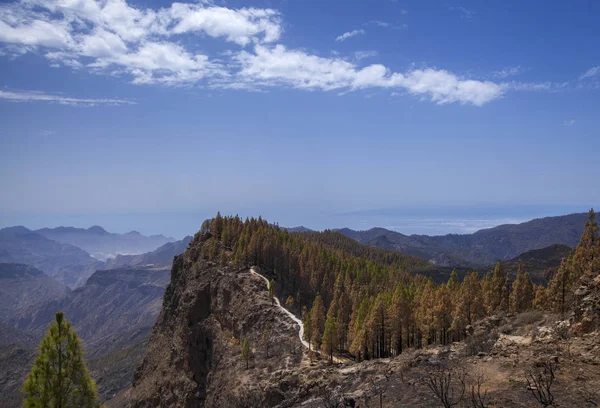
<point x="423" y="220"/>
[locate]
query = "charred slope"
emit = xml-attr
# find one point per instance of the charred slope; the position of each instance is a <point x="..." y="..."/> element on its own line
<point x="193" y="355"/>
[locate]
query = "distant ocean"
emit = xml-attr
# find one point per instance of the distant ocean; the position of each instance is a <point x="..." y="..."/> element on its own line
<point x="449" y="220"/>
<point x="427" y="220"/>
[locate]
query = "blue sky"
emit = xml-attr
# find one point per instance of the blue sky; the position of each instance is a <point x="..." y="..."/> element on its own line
<point x="154" y="115"/>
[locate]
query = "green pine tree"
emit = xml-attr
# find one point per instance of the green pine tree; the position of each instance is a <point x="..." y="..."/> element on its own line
<point x="271" y="291"/>
<point x="59" y="377"/>
<point x="246" y="352"/>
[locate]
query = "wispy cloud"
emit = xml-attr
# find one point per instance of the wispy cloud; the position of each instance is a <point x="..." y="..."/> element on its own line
<point x="591" y="72"/>
<point x="29" y="96"/>
<point x="507" y="71"/>
<point x="349" y="34"/>
<point x="465" y="13"/>
<point x="48" y="132"/>
<point x="568" y="122"/>
<point x="385" y="24"/>
<point x="359" y="55"/>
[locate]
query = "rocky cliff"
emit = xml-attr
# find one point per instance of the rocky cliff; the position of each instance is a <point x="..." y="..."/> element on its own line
<point x="193" y="355"/>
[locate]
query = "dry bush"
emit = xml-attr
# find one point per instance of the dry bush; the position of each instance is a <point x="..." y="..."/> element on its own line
<point x="331" y="398"/>
<point x="590" y="396"/>
<point x="481" y="342"/>
<point x="447" y="384"/>
<point x="479" y="395"/>
<point x="246" y="397"/>
<point x="540" y="379"/>
<point x="528" y="318"/>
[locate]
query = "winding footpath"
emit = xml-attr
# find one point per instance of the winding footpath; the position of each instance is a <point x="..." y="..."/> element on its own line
<point x="291" y="315"/>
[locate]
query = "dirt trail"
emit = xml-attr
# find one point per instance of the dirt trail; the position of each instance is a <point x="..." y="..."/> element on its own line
<point x="292" y="316"/>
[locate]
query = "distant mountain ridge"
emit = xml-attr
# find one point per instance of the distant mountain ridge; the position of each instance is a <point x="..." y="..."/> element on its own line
<point x="481" y="248"/>
<point x="162" y="256"/>
<point x="102" y="244"/>
<point x="69" y="264"/>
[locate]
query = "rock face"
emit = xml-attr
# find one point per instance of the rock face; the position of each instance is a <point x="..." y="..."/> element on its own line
<point x="193" y="354"/>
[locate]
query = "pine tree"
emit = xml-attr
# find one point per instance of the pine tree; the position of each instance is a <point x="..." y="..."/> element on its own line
<point x="308" y="327"/>
<point x="59" y="377"/>
<point x="586" y="257"/>
<point x="523" y="294"/>
<point x="246" y="353"/>
<point x="499" y="290"/>
<point x="271" y="290"/>
<point x="541" y="300"/>
<point x="317" y="319"/>
<point x="560" y="288"/>
<point x="266" y="336"/>
<point x="329" y="338"/>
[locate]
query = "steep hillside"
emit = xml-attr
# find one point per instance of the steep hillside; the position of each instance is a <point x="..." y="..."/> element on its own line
<point x="540" y="263"/>
<point x="69" y="264"/>
<point x="213" y="305"/>
<point x="102" y="244"/>
<point x="192" y="358"/>
<point x="114" y="308"/>
<point x="24" y="287"/>
<point x="113" y="313"/>
<point x="484" y="247"/>
<point x="162" y="256"/>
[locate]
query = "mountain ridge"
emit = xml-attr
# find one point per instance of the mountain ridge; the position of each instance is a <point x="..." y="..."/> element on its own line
<point x="102" y="244"/>
<point x="480" y="248"/>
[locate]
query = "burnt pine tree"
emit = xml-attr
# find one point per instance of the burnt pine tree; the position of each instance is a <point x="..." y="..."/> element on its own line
<point x="59" y="377"/>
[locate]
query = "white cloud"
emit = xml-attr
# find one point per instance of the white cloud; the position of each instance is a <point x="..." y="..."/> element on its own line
<point x="143" y="43"/>
<point x="385" y="24"/>
<point x="569" y="122"/>
<point x="280" y="66"/>
<point x="349" y="34"/>
<point x="359" y="55"/>
<point x="239" y="26"/>
<point x="506" y="72"/>
<point x="28" y="96"/>
<point x="591" y="72"/>
<point x="167" y="46"/>
<point x="36" y="32"/>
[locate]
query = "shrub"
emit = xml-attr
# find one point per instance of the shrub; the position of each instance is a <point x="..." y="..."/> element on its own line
<point x="481" y="342"/>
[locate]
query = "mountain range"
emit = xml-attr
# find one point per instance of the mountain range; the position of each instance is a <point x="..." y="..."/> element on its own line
<point x="102" y="244"/>
<point x="114" y="304"/>
<point x="481" y="248"/>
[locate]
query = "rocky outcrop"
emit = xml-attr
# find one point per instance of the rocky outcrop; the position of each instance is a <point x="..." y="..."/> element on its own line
<point x="587" y="307"/>
<point x="193" y="355"/>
